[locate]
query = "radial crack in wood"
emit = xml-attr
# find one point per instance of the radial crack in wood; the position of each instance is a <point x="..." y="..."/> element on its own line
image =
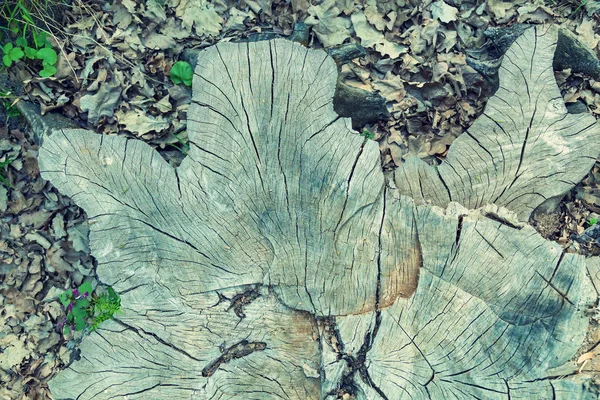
<point x="274" y="195"/>
<point x="523" y="149"/>
<point x="163" y="348"/>
<point x="486" y="320"/>
<point x="276" y="262"/>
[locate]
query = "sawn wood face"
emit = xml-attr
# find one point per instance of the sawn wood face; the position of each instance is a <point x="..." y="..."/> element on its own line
<point x="277" y="263"/>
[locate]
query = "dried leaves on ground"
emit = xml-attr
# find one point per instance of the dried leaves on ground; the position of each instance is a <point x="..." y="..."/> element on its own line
<point x="113" y="76"/>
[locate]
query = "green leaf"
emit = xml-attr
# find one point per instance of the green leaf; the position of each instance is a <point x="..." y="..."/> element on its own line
<point x="80" y="324"/>
<point x="21" y="41"/>
<point x="12" y="112"/>
<point x="593" y="221"/>
<point x="7" y="47"/>
<point x="30" y="52"/>
<point x="16" y="54"/>
<point x="47" y="55"/>
<point x="79" y="315"/>
<point x="41" y="40"/>
<point x="48" y="70"/>
<point x="85" y="287"/>
<point x="6" y="60"/>
<point x="82" y="303"/>
<point x="112" y="294"/>
<point x="65" y="298"/>
<point x="367" y="134"/>
<point x="181" y="72"/>
<point x="66" y="330"/>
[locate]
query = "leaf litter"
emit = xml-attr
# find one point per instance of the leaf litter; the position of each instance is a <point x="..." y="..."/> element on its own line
<point x="113" y="76"/>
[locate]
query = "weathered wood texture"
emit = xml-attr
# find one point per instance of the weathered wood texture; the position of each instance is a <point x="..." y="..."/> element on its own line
<point x="522" y="150"/>
<point x="275" y="262"/>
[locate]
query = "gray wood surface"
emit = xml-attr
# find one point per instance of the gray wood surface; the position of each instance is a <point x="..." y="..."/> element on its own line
<point x="522" y="150"/>
<point x="276" y="263"/>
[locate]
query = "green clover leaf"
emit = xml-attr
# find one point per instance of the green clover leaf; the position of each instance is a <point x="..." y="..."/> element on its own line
<point x="21" y="41"/>
<point x="30" y="52"/>
<point x="85" y="287"/>
<point x="7" y="48"/>
<point x="16" y="54"/>
<point x="181" y="72"/>
<point x="48" y="70"/>
<point x="41" y="40"/>
<point x="6" y="60"/>
<point x="47" y="55"/>
<point x="64" y="298"/>
<point x="79" y="314"/>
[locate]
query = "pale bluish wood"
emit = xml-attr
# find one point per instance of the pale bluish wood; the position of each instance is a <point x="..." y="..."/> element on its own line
<point x="270" y="149"/>
<point x="348" y="285"/>
<point x="522" y="150"/>
<point x="495" y="308"/>
<point x="453" y="346"/>
<point x="161" y="345"/>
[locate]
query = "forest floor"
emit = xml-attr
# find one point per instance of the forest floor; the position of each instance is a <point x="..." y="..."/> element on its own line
<point x="112" y="76"/>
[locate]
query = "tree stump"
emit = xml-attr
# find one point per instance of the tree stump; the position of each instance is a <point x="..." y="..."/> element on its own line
<point x="278" y="263"/>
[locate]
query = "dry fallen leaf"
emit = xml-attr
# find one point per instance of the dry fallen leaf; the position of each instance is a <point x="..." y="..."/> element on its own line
<point x="391" y="87"/>
<point x="444" y="12"/>
<point x="330" y="28"/>
<point x="372" y="38"/>
<point x="587" y="34"/>
<point x="103" y="103"/>
<point x="499" y="10"/>
<point x="375" y="17"/>
<point x="14" y="352"/>
<point x="201" y="15"/>
<point x="139" y="122"/>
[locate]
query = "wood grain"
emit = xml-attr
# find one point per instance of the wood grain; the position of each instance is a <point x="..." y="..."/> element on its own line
<point x="277" y="263"/>
<point x="523" y="149"/>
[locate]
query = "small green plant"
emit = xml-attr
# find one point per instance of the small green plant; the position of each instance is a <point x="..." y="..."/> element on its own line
<point x="30" y="42"/>
<point x="42" y="50"/>
<point x="7" y="100"/>
<point x="11" y="54"/>
<point x="183" y="147"/>
<point x="49" y="58"/>
<point x="85" y="310"/>
<point x="3" y="165"/>
<point x="181" y="72"/>
<point x="367" y="134"/>
<point x="593" y="221"/>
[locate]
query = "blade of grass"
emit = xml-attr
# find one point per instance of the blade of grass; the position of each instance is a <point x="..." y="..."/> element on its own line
<point x="583" y="3"/>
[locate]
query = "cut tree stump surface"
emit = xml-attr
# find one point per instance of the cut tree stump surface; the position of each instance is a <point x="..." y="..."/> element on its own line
<point x="277" y="263"/>
<point x="524" y="148"/>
